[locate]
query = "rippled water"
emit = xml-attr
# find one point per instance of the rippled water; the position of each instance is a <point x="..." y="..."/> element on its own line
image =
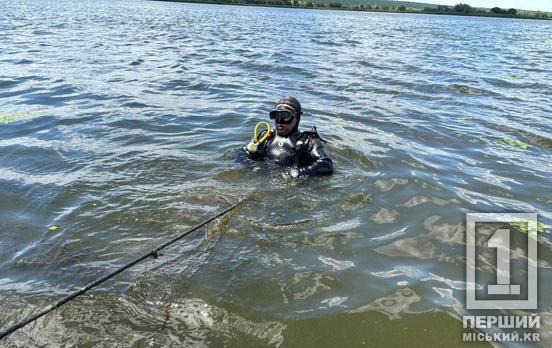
<point x="121" y="122"/>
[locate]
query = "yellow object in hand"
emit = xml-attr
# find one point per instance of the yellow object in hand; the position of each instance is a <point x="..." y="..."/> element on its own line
<point x="256" y="134"/>
<point x="254" y="143"/>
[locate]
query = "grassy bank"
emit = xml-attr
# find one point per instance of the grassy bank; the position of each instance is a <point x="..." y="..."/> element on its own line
<point x="458" y="10"/>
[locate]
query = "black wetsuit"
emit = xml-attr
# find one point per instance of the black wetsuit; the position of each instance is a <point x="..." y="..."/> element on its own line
<point x="301" y="149"/>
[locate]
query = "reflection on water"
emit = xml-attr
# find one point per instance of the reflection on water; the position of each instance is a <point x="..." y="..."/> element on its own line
<point x="122" y="124"/>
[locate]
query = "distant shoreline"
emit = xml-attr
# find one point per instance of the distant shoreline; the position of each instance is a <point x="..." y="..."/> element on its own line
<point x="340" y="7"/>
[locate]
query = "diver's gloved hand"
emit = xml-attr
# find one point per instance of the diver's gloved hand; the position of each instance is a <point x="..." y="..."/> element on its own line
<point x="251" y="148"/>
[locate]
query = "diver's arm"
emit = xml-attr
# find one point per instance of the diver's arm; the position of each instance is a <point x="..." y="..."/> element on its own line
<point x="321" y="162"/>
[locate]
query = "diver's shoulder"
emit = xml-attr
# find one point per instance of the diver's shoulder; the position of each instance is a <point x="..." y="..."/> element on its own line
<point x="311" y="134"/>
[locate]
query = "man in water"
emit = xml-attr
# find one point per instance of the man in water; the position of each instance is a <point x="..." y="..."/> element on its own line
<point x="303" y="151"/>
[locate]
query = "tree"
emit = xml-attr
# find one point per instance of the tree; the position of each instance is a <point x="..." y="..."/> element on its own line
<point x="512" y="11"/>
<point x="402" y="8"/>
<point x="463" y="8"/>
<point x="497" y="10"/>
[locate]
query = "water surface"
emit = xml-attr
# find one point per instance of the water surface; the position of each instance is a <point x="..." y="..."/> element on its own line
<point x="121" y="123"/>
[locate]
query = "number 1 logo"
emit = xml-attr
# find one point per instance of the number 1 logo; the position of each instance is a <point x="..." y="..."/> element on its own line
<point x="501" y="241"/>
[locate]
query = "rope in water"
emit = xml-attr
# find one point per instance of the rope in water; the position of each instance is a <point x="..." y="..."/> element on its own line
<point x="154" y="253"/>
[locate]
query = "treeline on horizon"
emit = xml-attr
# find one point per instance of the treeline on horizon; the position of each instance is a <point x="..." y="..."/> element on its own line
<point x="469" y="10"/>
<point x="459" y="9"/>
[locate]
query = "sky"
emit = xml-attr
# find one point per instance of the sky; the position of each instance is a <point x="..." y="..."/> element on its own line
<point x="542" y="5"/>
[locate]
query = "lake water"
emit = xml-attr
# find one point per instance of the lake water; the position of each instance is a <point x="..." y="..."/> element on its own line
<point x="121" y="123"/>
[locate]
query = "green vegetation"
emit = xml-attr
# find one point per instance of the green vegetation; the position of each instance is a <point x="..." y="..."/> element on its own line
<point x="4" y="119"/>
<point x="387" y="6"/>
<point x="514" y="143"/>
<point x="465" y="9"/>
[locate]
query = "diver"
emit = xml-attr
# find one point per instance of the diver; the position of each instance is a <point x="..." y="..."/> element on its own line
<point x="302" y="151"/>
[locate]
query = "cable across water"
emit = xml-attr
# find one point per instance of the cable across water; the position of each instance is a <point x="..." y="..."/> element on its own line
<point x="154" y="253"/>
